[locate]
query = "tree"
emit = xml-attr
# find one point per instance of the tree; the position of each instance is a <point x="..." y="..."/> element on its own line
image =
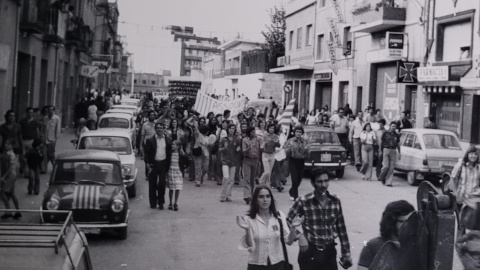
<point x="275" y="36"/>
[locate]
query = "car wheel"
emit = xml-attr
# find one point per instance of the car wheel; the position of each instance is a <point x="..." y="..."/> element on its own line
<point x="340" y="172"/>
<point x="132" y="191"/>
<point x="412" y="178"/>
<point x="445" y="185"/>
<point x="122" y="233"/>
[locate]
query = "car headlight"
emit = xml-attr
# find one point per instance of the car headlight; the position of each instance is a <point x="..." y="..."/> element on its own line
<point x="52" y="204"/>
<point x="126" y="169"/>
<point x="344" y="154"/>
<point x="117" y="205"/>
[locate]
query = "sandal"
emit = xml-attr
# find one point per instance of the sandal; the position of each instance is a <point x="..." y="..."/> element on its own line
<point x="175" y="207"/>
<point x="170" y="207"/>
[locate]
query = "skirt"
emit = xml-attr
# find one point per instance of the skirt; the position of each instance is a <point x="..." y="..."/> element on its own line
<point x="174" y="176"/>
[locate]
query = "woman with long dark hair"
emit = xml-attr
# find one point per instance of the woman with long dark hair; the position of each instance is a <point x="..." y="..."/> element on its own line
<point x="270" y="142"/>
<point x="466" y="175"/>
<point x="229" y="151"/>
<point x="296" y="150"/>
<point x="368" y="139"/>
<point x="261" y="238"/>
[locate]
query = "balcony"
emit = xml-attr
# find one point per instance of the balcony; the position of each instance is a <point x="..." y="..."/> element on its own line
<point x="79" y="36"/>
<point x="34" y="15"/>
<point x="232" y="71"/>
<point x="56" y="26"/>
<point x="375" y="16"/>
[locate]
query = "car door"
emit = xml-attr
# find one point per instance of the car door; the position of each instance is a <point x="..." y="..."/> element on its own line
<point x="399" y="164"/>
<point x="413" y="153"/>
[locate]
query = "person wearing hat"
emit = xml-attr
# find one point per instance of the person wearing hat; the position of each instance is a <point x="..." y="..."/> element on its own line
<point x="322" y="220"/>
<point x="34" y="158"/>
<point x="251" y="154"/>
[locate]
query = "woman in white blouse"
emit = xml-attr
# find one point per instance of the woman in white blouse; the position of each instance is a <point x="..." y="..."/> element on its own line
<point x="262" y="232"/>
<point x="367" y="138"/>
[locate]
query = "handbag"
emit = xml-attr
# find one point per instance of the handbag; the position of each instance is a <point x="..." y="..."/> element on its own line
<point x="197" y="151"/>
<point x="288" y="266"/>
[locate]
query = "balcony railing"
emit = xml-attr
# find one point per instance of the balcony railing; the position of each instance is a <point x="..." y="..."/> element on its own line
<point x="34" y="15"/>
<point x="80" y="35"/>
<point x="232" y="71"/>
<point x="374" y="16"/>
<point x="218" y="75"/>
<point x="56" y="26"/>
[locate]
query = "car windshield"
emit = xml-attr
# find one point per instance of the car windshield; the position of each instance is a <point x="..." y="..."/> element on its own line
<point x="86" y="172"/>
<point x="441" y="141"/>
<point x="113" y="122"/>
<point x="321" y="137"/>
<point x="119" y="145"/>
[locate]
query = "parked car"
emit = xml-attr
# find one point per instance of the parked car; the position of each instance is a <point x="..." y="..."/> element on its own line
<point x="132" y="108"/>
<point x="124" y="122"/>
<point x="121" y="111"/>
<point x="120" y="143"/>
<point x="325" y="150"/>
<point x="130" y="101"/>
<point x="47" y="246"/>
<point x="88" y="183"/>
<point x="427" y="154"/>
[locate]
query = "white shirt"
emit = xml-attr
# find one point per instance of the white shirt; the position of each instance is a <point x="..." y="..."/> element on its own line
<point x="368" y="137"/>
<point x="161" y="148"/>
<point x="266" y="240"/>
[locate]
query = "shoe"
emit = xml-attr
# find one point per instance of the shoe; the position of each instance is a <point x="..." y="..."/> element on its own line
<point x="222" y="200"/>
<point x="292" y="198"/>
<point x="6" y="215"/>
<point x="153" y="207"/>
<point x="29" y="192"/>
<point x="160" y="207"/>
<point x="363" y="177"/>
<point x="175" y="207"/>
<point x="280" y="189"/>
<point x="219" y="184"/>
<point x="228" y="199"/>
<point x="389" y="185"/>
<point x="170" y="207"/>
<point x="36" y="193"/>
<point x="17" y="215"/>
<point x="236" y="183"/>
<point x="198" y="185"/>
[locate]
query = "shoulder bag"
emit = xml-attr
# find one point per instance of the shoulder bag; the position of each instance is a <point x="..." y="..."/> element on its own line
<point x="288" y="266"/>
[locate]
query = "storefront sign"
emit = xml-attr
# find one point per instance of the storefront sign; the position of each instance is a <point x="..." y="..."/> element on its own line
<point x="333" y="58"/>
<point x="325" y="76"/>
<point x="89" y="71"/>
<point x="104" y="62"/>
<point x="407" y="72"/>
<point x="334" y="31"/>
<point x="470" y="82"/>
<point x="391" y="105"/>
<point x="432" y="74"/>
<point x="338" y="11"/>
<point x="395" y="44"/>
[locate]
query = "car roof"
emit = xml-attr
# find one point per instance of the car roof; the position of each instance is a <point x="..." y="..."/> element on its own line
<point x="87" y="154"/>
<point x="120" y="111"/>
<point x="111" y="132"/>
<point x="116" y="115"/>
<point x="316" y="128"/>
<point x="124" y="106"/>
<point x="422" y="131"/>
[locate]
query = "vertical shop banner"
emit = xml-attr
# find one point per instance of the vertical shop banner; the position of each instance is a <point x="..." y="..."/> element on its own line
<point x="391" y="103"/>
<point x="338" y="11"/>
<point x="333" y="28"/>
<point x="205" y="104"/>
<point x="333" y="57"/>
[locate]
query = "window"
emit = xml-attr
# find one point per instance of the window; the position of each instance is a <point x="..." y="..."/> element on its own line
<point x="416" y="144"/>
<point x="290" y="41"/>
<point x="299" y="38"/>
<point x="409" y="140"/>
<point x="308" y="35"/>
<point x="189" y="51"/>
<point x="320" y="46"/>
<point x="454" y="38"/>
<point x="153" y="82"/>
<point x="134" y="81"/>
<point x="321" y="3"/>
<point x="347" y="41"/>
<point x="144" y="81"/>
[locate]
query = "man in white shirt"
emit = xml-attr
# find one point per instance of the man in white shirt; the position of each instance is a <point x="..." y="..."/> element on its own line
<point x="52" y="132"/>
<point x="340" y="125"/>
<point x="354" y="138"/>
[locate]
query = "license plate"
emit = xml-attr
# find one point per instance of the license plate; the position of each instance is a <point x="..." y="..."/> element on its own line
<point x="91" y="230"/>
<point x="447" y="163"/>
<point x="325" y="157"/>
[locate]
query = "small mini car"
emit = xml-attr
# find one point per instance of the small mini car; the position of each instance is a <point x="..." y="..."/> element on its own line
<point x="120" y="143"/>
<point x="117" y="121"/>
<point x="88" y="183"/>
<point x="325" y="150"/>
<point x="427" y="154"/>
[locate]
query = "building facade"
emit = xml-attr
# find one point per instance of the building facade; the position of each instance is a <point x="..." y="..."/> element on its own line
<point x="148" y="82"/>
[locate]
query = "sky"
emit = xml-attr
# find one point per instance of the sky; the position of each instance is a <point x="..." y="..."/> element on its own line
<point x="140" y="20"/>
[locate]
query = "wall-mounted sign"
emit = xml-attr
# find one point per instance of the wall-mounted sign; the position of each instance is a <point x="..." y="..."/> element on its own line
<point x="287" y="88"/>
<point x="395" y="44"/>
<point x="470" y="82"/>
<point x="433" y="74"/>
<point x="89" y="71"/>
<point x="333" y="57"/>
<point x="338" y="11"/>
<point x="325" y="76"/>
<point x="407" y="72"/>
<point x="334" y="31"/>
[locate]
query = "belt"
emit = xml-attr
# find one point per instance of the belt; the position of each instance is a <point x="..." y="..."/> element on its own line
<point x="322" y="247"/>
<point x="390" y="147"/>
<point x="160" y="160"/>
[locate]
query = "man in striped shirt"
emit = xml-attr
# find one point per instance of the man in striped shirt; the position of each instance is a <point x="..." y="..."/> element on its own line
<point x="322" y="222"/>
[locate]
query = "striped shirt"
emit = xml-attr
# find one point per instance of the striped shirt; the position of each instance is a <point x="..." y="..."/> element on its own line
<point x="467" y="181"/>
<point x="321" y="225"/>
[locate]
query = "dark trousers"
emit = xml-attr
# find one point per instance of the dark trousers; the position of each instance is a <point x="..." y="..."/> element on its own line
<point x="296" y="172"/>
<point x="269" y="266"/>
<point x="314" y="259"/>
<point x="156" y="185"/>
<point x="34" y="179"/>
<point x="343" y="138"/>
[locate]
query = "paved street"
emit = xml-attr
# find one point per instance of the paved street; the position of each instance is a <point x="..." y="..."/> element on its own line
<point x="203" y="234"/>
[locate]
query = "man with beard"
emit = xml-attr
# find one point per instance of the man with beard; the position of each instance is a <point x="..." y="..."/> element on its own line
<point x="322" y="221"/>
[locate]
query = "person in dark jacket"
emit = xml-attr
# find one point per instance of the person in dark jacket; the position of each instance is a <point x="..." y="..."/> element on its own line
<point x="158" y="154"/>
<point x="34" y="158"/>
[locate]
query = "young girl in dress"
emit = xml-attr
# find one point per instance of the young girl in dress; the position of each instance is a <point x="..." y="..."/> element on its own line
<point x="174" y="177"/>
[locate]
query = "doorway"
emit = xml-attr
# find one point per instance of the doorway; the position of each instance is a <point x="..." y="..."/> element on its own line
<point x="323" y="95"/>
<point x="476" y="120"/>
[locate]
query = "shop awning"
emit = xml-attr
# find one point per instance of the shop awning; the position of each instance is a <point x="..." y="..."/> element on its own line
<point x="442" y="89"/>
<point x="291" y="68"/>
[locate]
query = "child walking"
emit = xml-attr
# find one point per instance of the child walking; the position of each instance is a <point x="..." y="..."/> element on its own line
<point x="34" y="158"/>
<point x="8" y="177"/>
<point x="174" y="177"/>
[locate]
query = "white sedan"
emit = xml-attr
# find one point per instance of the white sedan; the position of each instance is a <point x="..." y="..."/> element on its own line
<point x="122" y="121"/>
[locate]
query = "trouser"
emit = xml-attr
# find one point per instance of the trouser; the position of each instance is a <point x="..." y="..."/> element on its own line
<point x="316" y="259"/>
<point x="378" y="166"/>
<point x="388" y="165"/>
<point x="296" y="167"/>
<point x="191" y="169"/>
<point x="343" y="138"/>
<point x="357" y="151"/>
<point x="156" y="183"/>
<point x="249" y="167"/>
<point x="34" y="180"/>
<point x="268" y="161"/>
<point x="367" y="158"/>
<point x="219" y="169"/>
<point x="228" y="180"/>
<point x="51" y="152"/>
<point x="44" y="163"/>
<point x="27" y="145"/>
<point x="238" y="171"/>
<point x="201" y="168"/>
<point x="278" y="174"/>
<point x="147" y="168"/>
